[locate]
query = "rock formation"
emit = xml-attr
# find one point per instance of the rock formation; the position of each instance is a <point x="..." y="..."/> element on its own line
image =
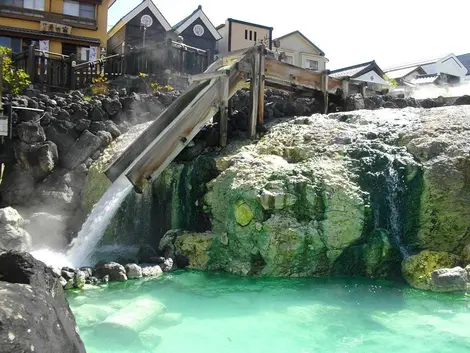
<point x="29" y="287"/>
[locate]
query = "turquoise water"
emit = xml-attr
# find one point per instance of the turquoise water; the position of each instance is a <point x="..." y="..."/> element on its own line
<point x="211" y="313"/>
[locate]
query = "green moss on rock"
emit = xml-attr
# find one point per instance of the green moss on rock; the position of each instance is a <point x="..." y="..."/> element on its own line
<point x="417" y="269"/>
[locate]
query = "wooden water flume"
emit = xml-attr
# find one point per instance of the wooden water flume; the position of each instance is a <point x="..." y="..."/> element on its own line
<point x="209" y="93"/>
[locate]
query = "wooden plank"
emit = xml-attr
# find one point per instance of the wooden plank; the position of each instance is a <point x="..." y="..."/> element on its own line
<point x="223" y="110"/>
<point x="291" y="75"/>
<point x="116" y="168"/>
<point x="175" y="137"/>
<point x="254" y="94"/>
<point x="209" y="75"/>
<point x="262" y="79"/>
<point x="334" y="83"/>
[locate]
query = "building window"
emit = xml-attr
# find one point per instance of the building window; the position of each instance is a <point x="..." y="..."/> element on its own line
<point x="246" y="34"/>
<point x="34" y="4"/>
<point x="289" y="59"/>
<point x="27" y="4"/>
<point x="251" y="35"/>
<point x="74" y="8"/>
<point x="256" y="36"/>
<point x="13" y="43"/>
<point x="312" y="65"/>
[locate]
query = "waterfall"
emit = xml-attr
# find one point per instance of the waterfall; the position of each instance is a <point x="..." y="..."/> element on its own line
<point x="394" y="188"/>
<point x="92" y="230"/>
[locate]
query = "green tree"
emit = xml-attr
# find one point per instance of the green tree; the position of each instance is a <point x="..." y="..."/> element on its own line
<point x="14" y="80"/>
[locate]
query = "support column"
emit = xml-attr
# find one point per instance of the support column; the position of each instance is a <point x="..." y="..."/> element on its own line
<point x="261" y="87"/>
<point x="345" y="88"/>
<point x="224" y="110"/>
<point x="363" y="89"/>
<point x="324" y="88"/>
<point x="254" y="94"/>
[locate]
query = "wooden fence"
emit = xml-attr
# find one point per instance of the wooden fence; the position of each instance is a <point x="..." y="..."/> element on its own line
<point x="55" y="72"/>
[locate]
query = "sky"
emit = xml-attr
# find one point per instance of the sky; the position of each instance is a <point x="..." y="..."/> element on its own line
<point x="348" y="31"/>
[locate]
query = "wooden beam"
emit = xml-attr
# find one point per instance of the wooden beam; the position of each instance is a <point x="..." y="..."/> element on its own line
<point x="262" y="79"/>
<point x="224" y="109"/>
<point x="291" y="75"/>
<point x="209" y="75"/>
<point x="345" y="88"/>
<point x="254" y="94"/>
<point x="324" y="88"/>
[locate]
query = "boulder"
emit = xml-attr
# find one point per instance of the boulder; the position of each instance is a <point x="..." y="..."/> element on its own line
<point x="417" y="269"/>
<point x="464" y="100"/>
<point x="79" y="279"/>
<point x="133" y="271"/>
<point x="115" y="271"/>
<point x="146" y="253"/>
<point x="82" y="125"/>
<point x="151" y="270"/>
<point x="449" y="280"/>
<point x="355" y="102"/>
<point x="428" y="103"/>
<point x="31" y="132"/>
<point x="112" y="128"/>
<point x="17" y="186"/>
<point x="196" y="248"/>
<point x="39" y="159"/>
<point x="105" y="137"/>
<point x="97" y="114"/>
<point x="63" y="135"/>
<point x="167" y="265"/>
<point x="400" y="102"/>
<point x="243" y="213"/>
<point x="83" y="148"/>
<point x="96" y="126"/>
<point x="112" y="106"/>
<point x="12" y="234"/>
<point x="31" y="320"/>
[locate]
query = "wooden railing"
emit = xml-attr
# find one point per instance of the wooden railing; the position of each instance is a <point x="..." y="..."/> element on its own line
<point x="38" y="15"/>
<point x="52" y="71"/>
<point x="174" y="56"/>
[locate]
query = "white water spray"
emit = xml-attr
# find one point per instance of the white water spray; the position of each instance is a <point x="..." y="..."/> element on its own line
<point x="92" y="231"/>
<point x="393" y="199"/>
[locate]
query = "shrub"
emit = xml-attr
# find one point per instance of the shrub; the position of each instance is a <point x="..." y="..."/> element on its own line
<point x="161" y="89"/>
<point x="14" y="80"/>
<point x="100" y="85"/>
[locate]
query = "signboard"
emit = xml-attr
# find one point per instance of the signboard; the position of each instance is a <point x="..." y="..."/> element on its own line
<point x="4" y="126"/>
<point x="55" y="27"/>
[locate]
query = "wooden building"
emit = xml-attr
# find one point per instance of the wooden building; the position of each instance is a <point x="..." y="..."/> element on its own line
<point x="198" y="31"/>
<point x="59" y="26"/>
<point x="238" y="35"/>
<point x="129" y="32"/>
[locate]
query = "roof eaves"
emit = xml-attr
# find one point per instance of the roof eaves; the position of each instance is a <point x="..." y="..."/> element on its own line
<point x="198" y="13"/>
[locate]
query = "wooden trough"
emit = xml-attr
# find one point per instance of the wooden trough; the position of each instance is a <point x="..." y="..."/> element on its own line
<point x="209" y="93"/>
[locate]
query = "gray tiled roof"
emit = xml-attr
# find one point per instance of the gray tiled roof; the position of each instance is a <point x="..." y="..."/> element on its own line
<point x="49" y="34"/>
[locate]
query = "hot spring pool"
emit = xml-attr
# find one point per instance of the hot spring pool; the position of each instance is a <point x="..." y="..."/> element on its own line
<point x="214" y="313"/>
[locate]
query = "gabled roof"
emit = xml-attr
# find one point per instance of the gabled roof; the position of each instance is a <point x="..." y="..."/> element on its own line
<point x="425" y="79"/>
<point x="400" y="73"/>
<point x="138" y="9"/>
<point x="300" y="34"/>
<point x="356" y="70"/>
<point x="250" y="24"/>
<point x="465" y="60"/>
<point x="198" y="13"/>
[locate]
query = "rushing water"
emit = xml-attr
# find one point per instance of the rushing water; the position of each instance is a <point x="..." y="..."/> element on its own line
<point x="98" y="220"/>
<point x="394" y="188"/>
<point x="211" y="313"/>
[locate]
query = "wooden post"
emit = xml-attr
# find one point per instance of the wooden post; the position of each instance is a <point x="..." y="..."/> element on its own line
<point x="324" y="88"/>
<point x="72" y="77"/>
<point x="254" y="94"/>
<point x="363" y="89"/>
<point x="345" y="88"/>
<point x="223" y="110"/>
<point x="261" y="87"/>
<point x="169" y="53"/>
<point x="1" y="83"/>
<point x="31" y="63"/>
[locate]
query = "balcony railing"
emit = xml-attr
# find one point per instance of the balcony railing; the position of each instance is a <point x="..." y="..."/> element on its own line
<point x="37" y="15"/>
